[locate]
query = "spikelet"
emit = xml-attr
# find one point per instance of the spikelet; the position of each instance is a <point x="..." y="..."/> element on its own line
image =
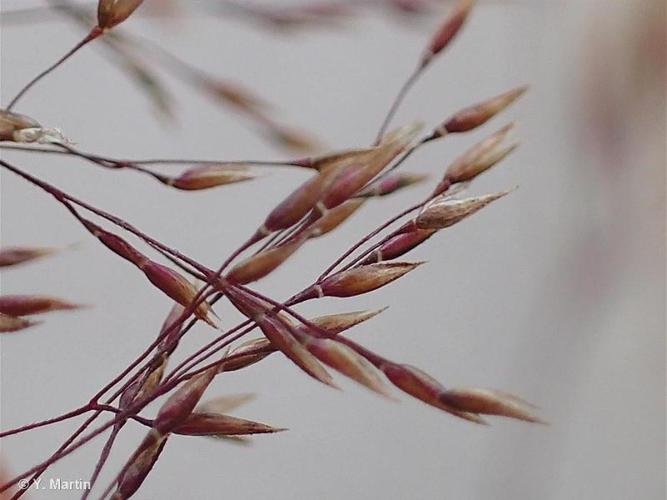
<point x="263" y="263"/>
<point x="11" y="324"/>
<point x="245" y="355"/>
<point x="333" y="218"/>
<point x="398" y="245"/>
<point x="422" y="386"/>
<point x="117" y="244"/>
<point x="298" y="203"/>
<point x="293" y="140"/>
<point x="225" y="404"/>
<point x="356" y="176"/>
<point x="446" y="212"/>
<point x="170" y="282"/>
<point x="19" y="255"/>
<point x="40" y="135"/>
<point x="11" y="122"/>
<point x="25" y="305"/>
<point x="480" y="157"/>
<point x="358" y="280"/>
<point x="447" y="31"/>
<point x="174" y="325"/>
<point x="324" y="162"/>
<point x="346" y="361"/>
<point x="210" y="176"/>
<point x="140" y="465"/>
<point x="145" y="385"/>
<point x="392" y="183"/>
<point x="279" y="334"/>
<point x="490" y="402"/>
<point x="478" y="114"/>
<point x="182" y="402"/>
<point x="337" y="323"/>
<point x="178" y="288"/>
<point x="111" y="13"/>
<point x="235" y="95"/>
<point x="219" y="425"/>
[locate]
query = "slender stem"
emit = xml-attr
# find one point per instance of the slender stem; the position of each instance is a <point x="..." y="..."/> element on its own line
<point x="94" y="33"/>
<point x="57" y="456"/>
<point x="43" y="423"/>
<point x="116" y="165"/>
<point x="176" y="161"/>
<point x="397" y="102"/>
<point x="72" y="446"/>
<point x="104" y="455"/>
<point x="38" y="471"/>
<point x="60" y="418"/>
<point x="121" y="163"/>
<point x="192" y="360"/>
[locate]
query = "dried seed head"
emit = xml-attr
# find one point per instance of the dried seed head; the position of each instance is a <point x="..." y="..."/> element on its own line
<point x="478" y="114"/>
<point x="117" y="244"/>
<point x="210" y="176"/>
<point x="392" y="183"/>
<point x="293" y="140"/>
<point x="479" y="158"/>
<point x="442" y="213"/>
<point x="399" y="139"/>
<point x="399" y="245"/>
<point x="235" y="95"/>
<point x="144" y="387"/>
<point x="180" y="405"/>
<point x="490" y="402"/>
<point x="111" y="13"/>
<point x="422" y="386"/>
<point x="141" y="464"/>
<point x="248" y="305"/>
<point x="19" y="255"/>
<point x="283" y="340"/>
<point x="496" y="156"/>
<point x="10" y="324"/>
<point x="301" y="201"/>
<point x="279" y="334"/>
<point x="245" y="355"/>
<point x="448" y="30"/>
<point x="24" y="305"/>
<point x="12" y="122"/>
<point x="359" y="280"/>
<point x="346" y="361"/>
<point x="333" y="218"/>
<point x="40" y="135"/>
<point x="329" y="160"/>
<point x="253" y="351"/>
<point x="219" y="425"/>
<point x="225" y="404"/>
<point x="170" y="324"/>
<point x="337" y="323"/>
<point x="355" y="177"/>
<point x="178" y="288"/>
<point x="260" y="265"/>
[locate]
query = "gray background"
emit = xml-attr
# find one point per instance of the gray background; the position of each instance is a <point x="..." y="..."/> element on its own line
<point x="556" y="293"/>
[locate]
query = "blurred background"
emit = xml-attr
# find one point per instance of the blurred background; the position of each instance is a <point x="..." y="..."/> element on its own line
<point x="555" y="293"/>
